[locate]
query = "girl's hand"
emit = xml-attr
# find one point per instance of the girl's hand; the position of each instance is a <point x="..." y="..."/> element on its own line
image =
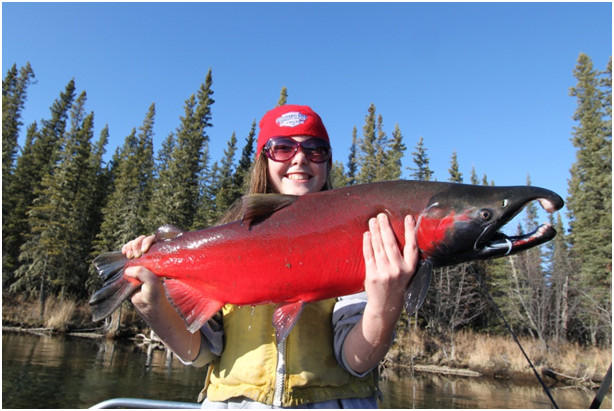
<point x="138" y="246"/>
<point x="149" y="296"/>
<point x="151" y="303"/>
<point x="388" y="271"/>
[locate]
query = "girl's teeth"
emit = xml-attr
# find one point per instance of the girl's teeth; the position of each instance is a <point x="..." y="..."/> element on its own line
<point x="297" y="177"/>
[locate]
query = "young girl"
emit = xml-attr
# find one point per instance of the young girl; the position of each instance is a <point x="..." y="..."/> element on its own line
<point x="327" y="360"/>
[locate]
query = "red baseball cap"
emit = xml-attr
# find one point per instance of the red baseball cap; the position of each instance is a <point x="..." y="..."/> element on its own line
<point x="290" y="120"/>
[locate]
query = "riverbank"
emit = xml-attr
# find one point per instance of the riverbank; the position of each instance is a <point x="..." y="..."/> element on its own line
<point x="498" y="357"/>
<point x="466" y="354"/>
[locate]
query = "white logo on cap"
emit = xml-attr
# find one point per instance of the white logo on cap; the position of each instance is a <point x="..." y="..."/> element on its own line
<point x="291" y="119"/>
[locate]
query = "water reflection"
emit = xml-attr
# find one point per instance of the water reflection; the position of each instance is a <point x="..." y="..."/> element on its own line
<point x="65" y="372"/>
<point x="57" y="372"/>
<point x="432" y="391"/>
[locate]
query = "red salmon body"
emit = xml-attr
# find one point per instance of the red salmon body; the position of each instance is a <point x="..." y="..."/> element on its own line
<point x="292" y="250"/>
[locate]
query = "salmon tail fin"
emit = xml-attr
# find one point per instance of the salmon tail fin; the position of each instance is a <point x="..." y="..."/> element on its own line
<point x="418" y="287"/>
<point x="116" y="288"/>
<point x="195" y="308"/>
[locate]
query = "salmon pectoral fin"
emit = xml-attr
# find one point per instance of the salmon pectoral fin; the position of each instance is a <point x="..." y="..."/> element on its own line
<point x="418" y="287"/>
<point x="284" y="318"/>
<point x="116" y="287"/>
<point x="195" y="308"/>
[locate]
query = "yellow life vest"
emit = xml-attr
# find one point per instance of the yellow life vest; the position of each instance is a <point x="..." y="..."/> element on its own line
<point x="248" y="366"/>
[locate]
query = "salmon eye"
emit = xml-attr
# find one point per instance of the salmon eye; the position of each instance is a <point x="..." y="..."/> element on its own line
<point x="485" y="214"/>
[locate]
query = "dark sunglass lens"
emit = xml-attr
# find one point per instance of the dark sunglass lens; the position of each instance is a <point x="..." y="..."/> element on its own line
<point x="316" y="150"/>
<point x="282" y="149"/>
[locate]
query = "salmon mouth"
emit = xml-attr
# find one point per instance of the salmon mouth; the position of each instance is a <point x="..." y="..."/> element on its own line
<point x="493" y="243"/>
<point x="501" y="245"/>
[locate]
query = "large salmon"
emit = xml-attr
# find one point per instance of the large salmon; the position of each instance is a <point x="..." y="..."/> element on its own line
<point x="291" y="250"/>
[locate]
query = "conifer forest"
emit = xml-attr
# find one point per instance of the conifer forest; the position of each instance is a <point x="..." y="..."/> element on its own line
<point x="63" y="204"/>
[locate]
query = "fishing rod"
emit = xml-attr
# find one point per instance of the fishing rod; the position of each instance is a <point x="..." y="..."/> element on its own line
<point x="509" y="328"/>
<point x="603" y="389"/>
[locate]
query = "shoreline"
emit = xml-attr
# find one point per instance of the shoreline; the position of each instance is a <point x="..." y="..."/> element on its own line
<point x="552" y="378"/>
<point x="463" y="353"/>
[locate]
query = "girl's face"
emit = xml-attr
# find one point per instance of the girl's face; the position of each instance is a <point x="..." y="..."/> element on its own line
<point x="298" y="175"/>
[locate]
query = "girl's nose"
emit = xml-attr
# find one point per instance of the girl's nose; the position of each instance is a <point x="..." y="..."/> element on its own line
<point x="299" y="157"/>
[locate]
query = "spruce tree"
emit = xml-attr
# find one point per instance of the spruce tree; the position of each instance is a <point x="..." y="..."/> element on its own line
<point x="283" y="97"/>
<point x="394" y="155"/>
<point x="162" y="186"/>
<point x="224" y="196"/>
<point x="338" y="177"/>
<point x="37" y="159"/>
<point x="14" y="87"/>
<point x="124" y="217"/>
<point x="590" y="192"/>
<point x="241" y="175"/>
<point x="15" y="225"/>
<point x="474" y="176"/>
<point x="207" y="212"/>
<point x="422" y="171"/>
<point x="352" y="163"/>
<point x="55" y="252"/>
<point x="99" y="182"/>
<point x="367" y="164"/>
<point x="381" y="151"/>
<point x="164" y="155"/>
<point x="455" y="175"/>
<point x="182" y="183"/>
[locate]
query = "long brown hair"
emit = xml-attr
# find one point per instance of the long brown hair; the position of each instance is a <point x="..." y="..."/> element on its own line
<point x="259" y="184"/>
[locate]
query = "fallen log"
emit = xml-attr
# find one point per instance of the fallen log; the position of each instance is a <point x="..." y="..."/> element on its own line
<point x="436" y="369"/>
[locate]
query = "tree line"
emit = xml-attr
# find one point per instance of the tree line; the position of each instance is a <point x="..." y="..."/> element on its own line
<point x="63" y="204"/>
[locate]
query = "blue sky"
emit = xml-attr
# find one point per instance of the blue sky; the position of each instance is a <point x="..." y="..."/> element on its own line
<point x="489" y="81"/>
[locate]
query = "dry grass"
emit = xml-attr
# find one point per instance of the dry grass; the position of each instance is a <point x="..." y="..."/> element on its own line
<point x="20" y="311"/>
<point x="59" y="314"/>
<point x="499" y="356"/>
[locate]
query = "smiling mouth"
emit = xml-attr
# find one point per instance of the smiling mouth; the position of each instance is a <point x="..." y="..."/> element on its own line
<point x="298" y="177"/>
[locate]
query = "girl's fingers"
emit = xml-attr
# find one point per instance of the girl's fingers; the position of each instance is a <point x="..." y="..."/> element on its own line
<point x="389" y="240"/>
<point x="377" y="243"/>
<point x="138" y="246"/>
<point x="410" y="251"/>
<point x="147" y="243"/>
<point x="367" y="251"/>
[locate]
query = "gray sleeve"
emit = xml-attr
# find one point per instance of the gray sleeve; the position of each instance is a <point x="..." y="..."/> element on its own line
<point x="211" y="342"/>
<point x="347" y="312"/>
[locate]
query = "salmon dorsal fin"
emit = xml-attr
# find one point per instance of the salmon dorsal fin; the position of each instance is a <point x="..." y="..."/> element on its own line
<point x="257" y="207"/>
<point x="168" y="232"/>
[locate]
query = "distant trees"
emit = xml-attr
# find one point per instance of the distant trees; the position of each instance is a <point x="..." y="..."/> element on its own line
<point x="63" y="204"/>
<point x="14" y="92"/>
<point x="590" y="197"/>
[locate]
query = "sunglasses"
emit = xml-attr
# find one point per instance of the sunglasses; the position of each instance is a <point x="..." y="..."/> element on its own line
<point x="283" y="149"/>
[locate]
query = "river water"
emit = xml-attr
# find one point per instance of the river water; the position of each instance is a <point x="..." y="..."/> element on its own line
<point x="72" y="372"/>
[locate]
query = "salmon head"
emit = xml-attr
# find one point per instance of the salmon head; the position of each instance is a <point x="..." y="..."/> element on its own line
<point x="463" y="222"/>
